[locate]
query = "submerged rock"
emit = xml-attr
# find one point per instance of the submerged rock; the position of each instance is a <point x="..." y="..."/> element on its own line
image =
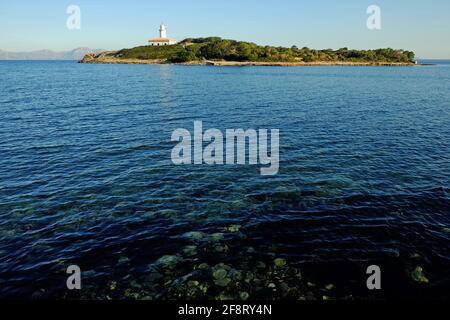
<point x="250" y="250"/>
<point x="237" y="275"/>
<point x="113" y="286"/>
<point x="223" y="282"/>
<point x="233" y="228"/>
<point x="220" y="274"/>
<point x="203" y="266"/>
<point x="193" y="283"/>
<point x="190" y="251"/>
<point x="217" y="236"/>
<point x="249" y="277"/>
<point x="168" y="260"/>
<point x="220" y="248"/>
<point x="222" y="266"/>
<point x="329" y="287"/>
<point x="279" y="262"/>
<point x="244" y="295"/>
<point x="418" y="276"/>
<point x="194" y="235"/>
<point x="223" y="297"/>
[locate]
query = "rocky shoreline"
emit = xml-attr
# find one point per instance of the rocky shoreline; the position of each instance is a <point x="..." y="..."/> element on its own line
<point x="223" y="266"/>
<point x="109" y="57"/>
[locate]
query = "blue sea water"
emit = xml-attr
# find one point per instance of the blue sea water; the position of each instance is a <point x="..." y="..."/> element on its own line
<point x="86" y="177"/>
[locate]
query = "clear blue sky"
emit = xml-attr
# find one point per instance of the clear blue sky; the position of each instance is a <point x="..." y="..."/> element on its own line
<point x="418" y="25"/>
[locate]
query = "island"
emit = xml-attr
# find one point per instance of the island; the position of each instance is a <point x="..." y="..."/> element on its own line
<point x="223" y="52"/>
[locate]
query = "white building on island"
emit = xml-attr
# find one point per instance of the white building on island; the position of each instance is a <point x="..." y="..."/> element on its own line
<point x="162" y="40"/>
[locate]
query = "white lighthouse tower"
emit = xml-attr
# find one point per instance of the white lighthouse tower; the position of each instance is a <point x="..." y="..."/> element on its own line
<point x="162" y="31"/>
<point x="163" y="40"/>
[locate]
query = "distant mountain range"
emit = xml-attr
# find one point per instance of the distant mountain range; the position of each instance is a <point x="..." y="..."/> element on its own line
<point x="75" y="54"/>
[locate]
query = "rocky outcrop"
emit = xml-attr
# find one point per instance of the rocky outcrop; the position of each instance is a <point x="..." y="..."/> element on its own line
<point x="109" y="57"/>
<point x="98" y="57"/>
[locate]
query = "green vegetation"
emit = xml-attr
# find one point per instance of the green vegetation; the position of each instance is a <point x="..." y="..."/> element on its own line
<point x="215" y="48"/>
<point x="150" y="52"/>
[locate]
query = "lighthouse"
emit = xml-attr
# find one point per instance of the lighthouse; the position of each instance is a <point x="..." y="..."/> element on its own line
<point x="163" y="40"/>
<point x="162" y="31"/>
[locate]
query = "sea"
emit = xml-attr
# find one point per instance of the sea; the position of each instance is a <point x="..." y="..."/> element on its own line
<point x="87" y="180"/>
